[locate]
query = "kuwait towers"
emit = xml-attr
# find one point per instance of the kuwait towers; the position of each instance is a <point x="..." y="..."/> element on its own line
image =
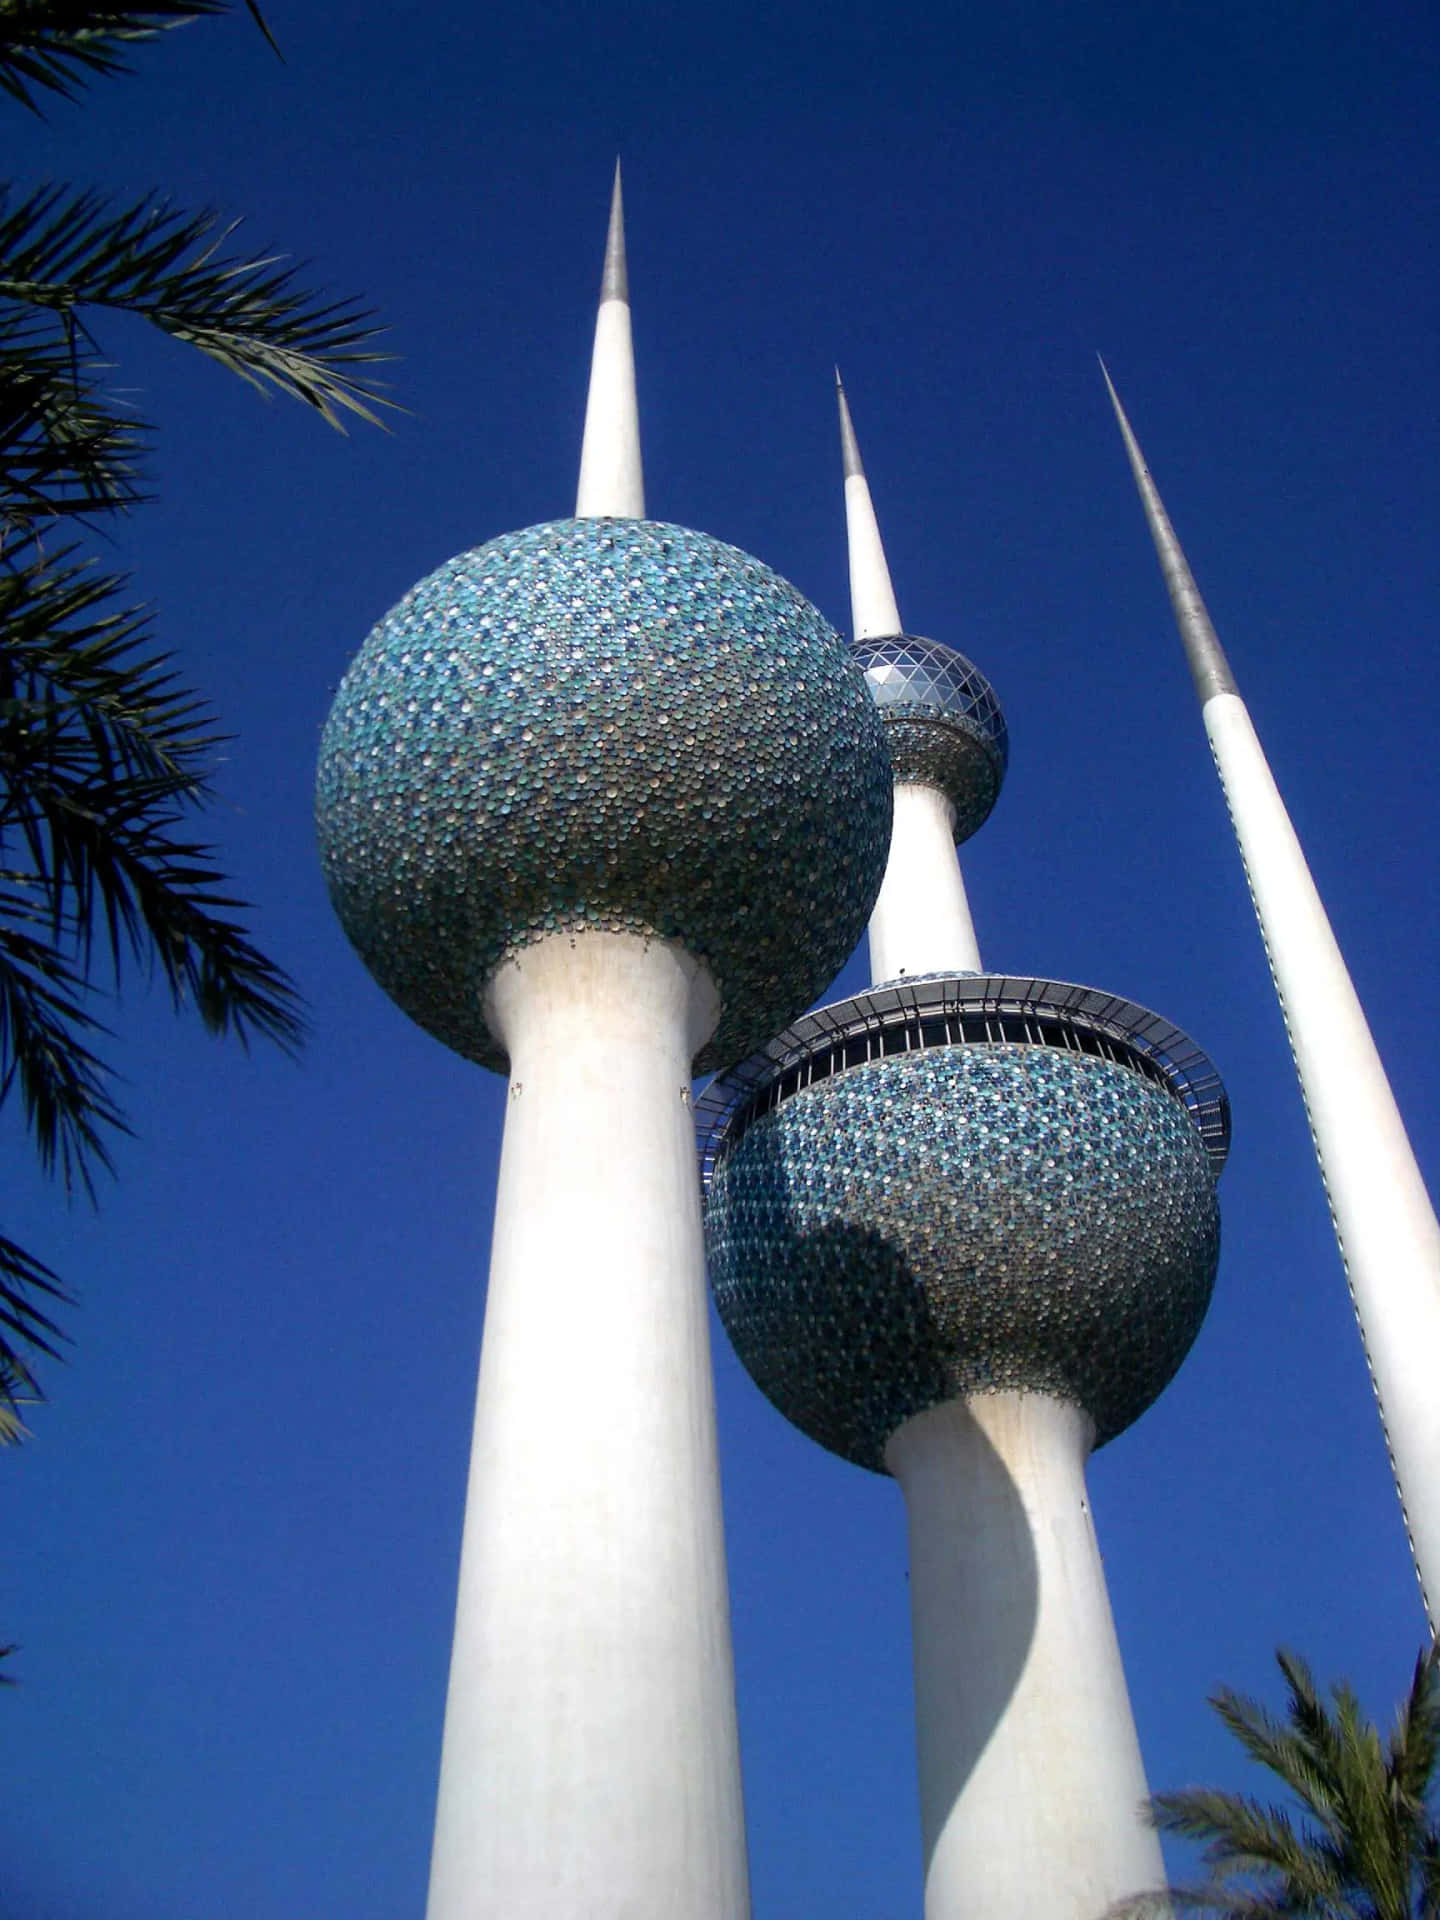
<point x="1384" y="1221"/>
<point x="601" y="803"/>
<point x="962" y="1229"/>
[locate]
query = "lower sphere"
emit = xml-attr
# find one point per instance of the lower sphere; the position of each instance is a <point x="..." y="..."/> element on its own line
<point x="966" y="1219"/>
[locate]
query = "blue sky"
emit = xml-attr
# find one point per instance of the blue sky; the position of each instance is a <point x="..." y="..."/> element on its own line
<point x="233" y="1537"/>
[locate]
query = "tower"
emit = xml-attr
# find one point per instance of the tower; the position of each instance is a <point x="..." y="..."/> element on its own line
<point x="1383" y="1217"/>
<point x="599" y="803"/>
<point x="962" y="1228"/>
<point x="948" y="748"/>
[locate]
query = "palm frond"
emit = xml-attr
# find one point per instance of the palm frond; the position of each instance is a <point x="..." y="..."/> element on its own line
<point x="1428" y="1874"/>
<point x="56" y="46"/>
<point x="80" y="693"/>
<point x="24" y="1324"/>
<point x="64" y="450"/>
<point x="1242" y="1835"/>
<point x="64" y="251"/>
<point x="1243" y="1904"/>
<point x="1294" y="1752"/>
<point x="63" y="1086"/>
<point x="1414" y="1746"/>
<point x="102" y="755"/>
<point x="1373" y="1852"/>
<point x="1219" y="1903"/>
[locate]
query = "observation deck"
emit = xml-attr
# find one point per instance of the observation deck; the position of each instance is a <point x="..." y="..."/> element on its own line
<point x="945" y="1010"/>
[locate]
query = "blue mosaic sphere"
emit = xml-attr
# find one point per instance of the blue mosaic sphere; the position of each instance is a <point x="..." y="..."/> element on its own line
<point x="943" y="723"/>
<point x="610" y="724"/>
<point x="965" y="1219"/>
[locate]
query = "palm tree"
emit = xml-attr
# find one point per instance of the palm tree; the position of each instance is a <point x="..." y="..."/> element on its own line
<point x="104" y="753"/>
<point x="1367" y="1845"/>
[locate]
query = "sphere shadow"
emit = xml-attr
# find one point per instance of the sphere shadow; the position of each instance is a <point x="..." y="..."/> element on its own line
<point x="974" y="1578"/>
<point x="875" y="1362"/>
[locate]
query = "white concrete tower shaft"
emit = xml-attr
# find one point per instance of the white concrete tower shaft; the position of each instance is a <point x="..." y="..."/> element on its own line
<point x="1031" y="1780"/>
<point x="591" y="1765"/>
<point x="1384" y="1220"/>
<point x="1030" y="1801"/>
<point x="921" y="921"/>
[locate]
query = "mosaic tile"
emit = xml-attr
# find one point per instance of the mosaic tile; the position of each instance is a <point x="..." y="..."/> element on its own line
<point x="971" y="1218"/>
<point x="608" y="724"/>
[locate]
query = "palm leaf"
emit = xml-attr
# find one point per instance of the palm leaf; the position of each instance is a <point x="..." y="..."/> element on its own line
<point x="56" y="46"/>
<point x="64" y="450"/>
<point x="24" y="1324"/>
<point x="1369" y="1850"/>
<point x="1242" y="1835"/>
<point x="102" y="755"/>
<point x="63" y="251"/>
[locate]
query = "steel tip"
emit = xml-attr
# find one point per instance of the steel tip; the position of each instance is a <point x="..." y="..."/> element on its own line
<point x="614" y="281"/>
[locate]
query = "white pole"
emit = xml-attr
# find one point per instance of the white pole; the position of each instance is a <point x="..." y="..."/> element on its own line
<point x="873" y="611"/>
<point x="591" y="1761"/>
<point x="1384" y="1221"/>
<point x="1031" y="1782"/>
<point x="612" y="480"/>
<point x="921" y="921"/>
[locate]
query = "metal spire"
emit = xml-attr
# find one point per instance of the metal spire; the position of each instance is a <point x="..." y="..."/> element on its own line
<point x="1385" y="1225"/>
<point x="612" y="481"/>
<point x="921" y="922"/>
<point x="1208" y="664"/>
<point x="872" y="598"/>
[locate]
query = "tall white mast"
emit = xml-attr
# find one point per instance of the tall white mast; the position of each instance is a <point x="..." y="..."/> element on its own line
<point x="1030" y="1773"/>
<point x="591" y="1757"/>
<point x="872" y="598"/>
<point x="1384" y="1221"/>
<point x="921" y="922"/>
<point x="612" y="480"/>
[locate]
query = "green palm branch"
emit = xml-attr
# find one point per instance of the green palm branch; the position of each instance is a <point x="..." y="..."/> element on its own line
<point x="104" y="752"/>
<point x="1365" y="1844"/>
<point x="68" y="253"/>
<point x="24" y="1283"/>
<point x="64" y="450"/>
<point x="57" y="45"/>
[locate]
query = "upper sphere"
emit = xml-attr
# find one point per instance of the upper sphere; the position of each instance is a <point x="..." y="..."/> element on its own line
<point x="611" y="724"/>
<point x="942" y="720"/>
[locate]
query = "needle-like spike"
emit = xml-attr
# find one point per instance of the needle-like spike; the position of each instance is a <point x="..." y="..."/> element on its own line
<point x="1385" y="1224"/>
<point x="872" y="598"/>
<point x="849" y="446"/>
<point x="615" y="281"/>
<point x="1208" y="665"/>
<point x="612" y="480"/>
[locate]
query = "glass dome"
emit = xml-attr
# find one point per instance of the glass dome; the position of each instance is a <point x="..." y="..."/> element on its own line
<point x="942" y="721"/>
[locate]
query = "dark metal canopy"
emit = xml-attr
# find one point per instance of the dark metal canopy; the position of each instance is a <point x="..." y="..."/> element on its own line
<point x="943" y="1010"/>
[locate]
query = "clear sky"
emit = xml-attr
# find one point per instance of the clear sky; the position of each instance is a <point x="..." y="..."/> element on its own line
<point x="232" y="1541"/>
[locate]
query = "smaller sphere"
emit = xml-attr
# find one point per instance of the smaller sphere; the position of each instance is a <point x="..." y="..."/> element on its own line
<point x="943" y="723"/>
<point x="603" y="724"/>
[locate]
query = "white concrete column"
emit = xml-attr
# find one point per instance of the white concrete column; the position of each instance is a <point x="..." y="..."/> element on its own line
<point x="612" y="478"/>
<point x="591" y="1763"/>
<point x="921" y="922"/>
<point x="1031" y="1782"/>
<point x="1384" y="1220"/>
<point x="872" y="598"/>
